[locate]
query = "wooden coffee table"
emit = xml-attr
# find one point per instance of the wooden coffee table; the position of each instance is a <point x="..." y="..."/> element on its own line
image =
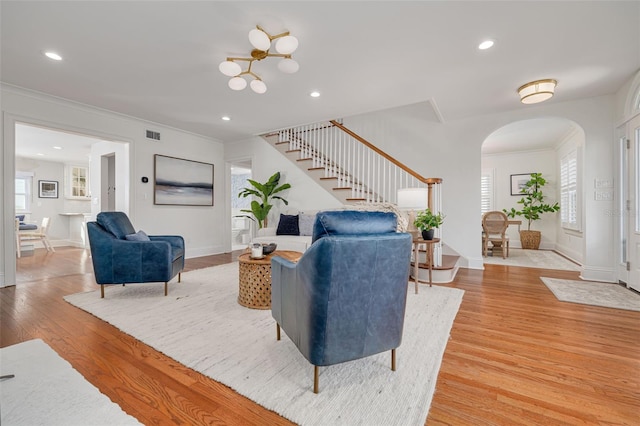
<point x="255" y="278"/>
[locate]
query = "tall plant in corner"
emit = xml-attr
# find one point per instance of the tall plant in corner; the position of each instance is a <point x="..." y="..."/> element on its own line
<point x="533" y="206"/>
<point x="266" y="193"/>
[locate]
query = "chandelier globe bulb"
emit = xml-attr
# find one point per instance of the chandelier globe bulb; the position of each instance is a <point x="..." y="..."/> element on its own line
<point x="287" y="45"/>
<point x="237" y="83"/>
<point x="259" y="39"/>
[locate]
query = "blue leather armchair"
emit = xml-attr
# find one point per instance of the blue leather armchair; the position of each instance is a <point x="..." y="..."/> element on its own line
<point x="345" y="298"/>
<point x="118" y="260"/>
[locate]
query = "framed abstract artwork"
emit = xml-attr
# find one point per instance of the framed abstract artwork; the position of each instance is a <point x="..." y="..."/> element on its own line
<point x="182" y="182"/>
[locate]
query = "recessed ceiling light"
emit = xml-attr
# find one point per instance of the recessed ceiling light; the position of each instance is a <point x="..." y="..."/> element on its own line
<point x="56" y="147"/>
<point x="53" y="55"/>
<point x="486" y="44"/>
<point x="226" y="118"/>
<point x="314" y="94"/>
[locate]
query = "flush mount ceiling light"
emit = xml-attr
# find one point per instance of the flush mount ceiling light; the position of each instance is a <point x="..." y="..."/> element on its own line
<point x="261" y="41"/>
<point x="537" y="91"/>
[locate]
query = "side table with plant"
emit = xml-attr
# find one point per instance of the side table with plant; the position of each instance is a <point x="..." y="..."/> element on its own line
<point x="426" y="221"/>
<point x="533" y="206"/>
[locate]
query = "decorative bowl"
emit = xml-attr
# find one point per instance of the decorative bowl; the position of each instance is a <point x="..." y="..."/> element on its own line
<point x="269" y="248"/>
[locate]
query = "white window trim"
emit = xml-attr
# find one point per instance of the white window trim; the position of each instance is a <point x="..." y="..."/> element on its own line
<point x="28" y="176"/>
<point x="488" y="195"/>
<point x="570" y="185"/>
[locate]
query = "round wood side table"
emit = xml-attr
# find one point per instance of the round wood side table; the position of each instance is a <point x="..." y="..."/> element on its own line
<point x="255" y="278"/>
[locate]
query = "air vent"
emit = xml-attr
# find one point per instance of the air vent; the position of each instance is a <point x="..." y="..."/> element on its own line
<point x="153" y="135"/>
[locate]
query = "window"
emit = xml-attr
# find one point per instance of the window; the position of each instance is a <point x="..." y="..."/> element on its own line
<point x="569" y="190"/>
<point x="486" y="191"/>
<point x="23" y="191"/>
<point x="77" y="182"/>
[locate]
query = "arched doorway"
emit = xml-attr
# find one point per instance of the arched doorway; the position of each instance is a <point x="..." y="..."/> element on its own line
<point x="553" y="146"/>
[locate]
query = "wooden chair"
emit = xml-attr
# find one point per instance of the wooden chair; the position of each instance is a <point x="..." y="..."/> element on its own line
<point x="494" y="230"/>
<point x="40" y="234"/>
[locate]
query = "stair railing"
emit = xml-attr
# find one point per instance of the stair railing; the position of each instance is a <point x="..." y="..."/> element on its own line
<point x="373" y="175"/>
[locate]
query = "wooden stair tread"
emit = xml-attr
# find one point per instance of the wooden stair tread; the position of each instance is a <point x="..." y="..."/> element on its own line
<point x="281" y="143"/>
<point x="329" y="177"/>
<point x="342" y="188"/>
<point x="448" y="262"/>
<point x="293" y="150"/>
<point x="356" y="199"/>
<point x="316" y="168"/>
<point x="305" y="159"/>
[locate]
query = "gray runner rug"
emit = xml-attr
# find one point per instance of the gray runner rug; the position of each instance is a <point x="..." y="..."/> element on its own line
<point x="607" y="295"/>
<point x="201" y="325"/>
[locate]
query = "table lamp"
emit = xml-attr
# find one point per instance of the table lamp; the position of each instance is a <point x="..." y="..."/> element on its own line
<point x="412" y="199"/>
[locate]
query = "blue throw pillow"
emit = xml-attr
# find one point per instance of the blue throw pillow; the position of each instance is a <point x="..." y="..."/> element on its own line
<point x="138" y="236"/>
<point x="288" y="225"/>
<point x="20" y="218"/>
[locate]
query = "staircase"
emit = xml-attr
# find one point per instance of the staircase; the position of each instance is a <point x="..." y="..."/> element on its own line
<point x="357" y="172"/>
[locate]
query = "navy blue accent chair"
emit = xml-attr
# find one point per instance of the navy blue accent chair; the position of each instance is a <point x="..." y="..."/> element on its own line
<point x="117" y="260"/>
<point x="345" y="298"/>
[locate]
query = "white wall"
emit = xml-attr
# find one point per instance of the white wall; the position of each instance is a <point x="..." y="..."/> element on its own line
<point x="452" y="151"/>
<point x="204" y="228"/>
<point x="305" y="194"/>
<point x="507" y="164"/>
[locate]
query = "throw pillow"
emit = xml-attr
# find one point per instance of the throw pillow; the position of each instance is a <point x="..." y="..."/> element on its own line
<point x="138" y="236"/>
<point x="288" y="225"/>
<point x="305" y="224"/>
<point x="20" y="218"/>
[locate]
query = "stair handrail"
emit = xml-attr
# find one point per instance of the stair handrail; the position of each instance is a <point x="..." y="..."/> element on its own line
<point x="381" y="152"/>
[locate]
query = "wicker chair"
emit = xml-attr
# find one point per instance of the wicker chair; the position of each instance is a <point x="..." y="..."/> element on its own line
<point x="494" y="230"/>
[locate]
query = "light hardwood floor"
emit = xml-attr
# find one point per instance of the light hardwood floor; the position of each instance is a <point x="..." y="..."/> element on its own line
<point x="516" y="354"/>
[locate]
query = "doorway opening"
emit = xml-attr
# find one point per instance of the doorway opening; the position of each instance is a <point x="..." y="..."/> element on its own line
<point x="241" y="222"/>
<point x="81" y="171"/>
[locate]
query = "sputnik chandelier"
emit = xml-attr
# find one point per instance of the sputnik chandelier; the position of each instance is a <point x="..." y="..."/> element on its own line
<point x="261" y="41"/>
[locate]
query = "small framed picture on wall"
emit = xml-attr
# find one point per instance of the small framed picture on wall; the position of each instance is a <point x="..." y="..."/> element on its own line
<point x="48" y="189"/>
<point x="518" y="183"/>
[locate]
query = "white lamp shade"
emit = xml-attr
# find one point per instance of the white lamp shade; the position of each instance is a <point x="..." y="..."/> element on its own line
<point x="229" y="68"/>
<point x="288" y="66"/>
<point x="287" y="45"/>
<point x="412" y="198"/>
<point x="259" y="39"/>
<point x="537" y="91"/>
<point x="258" y="86"/>
<point x="237" y="83"/>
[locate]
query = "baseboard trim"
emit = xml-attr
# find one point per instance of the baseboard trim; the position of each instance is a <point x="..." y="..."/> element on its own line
<point x="598" y="274"/>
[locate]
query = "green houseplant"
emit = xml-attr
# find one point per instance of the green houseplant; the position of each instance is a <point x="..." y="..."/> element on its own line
<point x="533" y="206"/>
<point x="266" y="193"/>
<point x="426" y="221"/>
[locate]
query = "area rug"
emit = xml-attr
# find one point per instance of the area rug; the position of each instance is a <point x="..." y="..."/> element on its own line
<point x="607" y="295"/>
<point x="201" y="325"/>
<point x="46" y="390"/>
<point x="546" y="259"/>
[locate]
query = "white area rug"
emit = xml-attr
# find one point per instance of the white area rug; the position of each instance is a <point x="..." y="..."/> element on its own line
<point x="201" y="325"/>
<point x="46" y="390"/>
<point x="546" y="259"/>
<point x="607" y="295"/>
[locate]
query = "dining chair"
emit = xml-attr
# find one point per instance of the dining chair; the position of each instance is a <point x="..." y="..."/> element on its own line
<point x="40" y="234"/>
<point x="494" y="230"/>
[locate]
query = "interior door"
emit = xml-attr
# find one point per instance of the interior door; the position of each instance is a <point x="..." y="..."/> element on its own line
<point x="633" y="205"/>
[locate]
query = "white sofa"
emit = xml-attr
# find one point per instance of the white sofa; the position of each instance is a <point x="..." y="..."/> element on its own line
<point x="302" y="242"/>
<point x="285" y="242"/>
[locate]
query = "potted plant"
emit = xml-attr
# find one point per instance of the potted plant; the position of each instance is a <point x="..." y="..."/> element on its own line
<point x="533" y="206"/>
<point x="266" y="193"/>
<point x="427" y="222"/>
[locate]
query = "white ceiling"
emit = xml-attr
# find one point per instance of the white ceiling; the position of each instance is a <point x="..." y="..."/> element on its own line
<point x="159" y="60"/>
